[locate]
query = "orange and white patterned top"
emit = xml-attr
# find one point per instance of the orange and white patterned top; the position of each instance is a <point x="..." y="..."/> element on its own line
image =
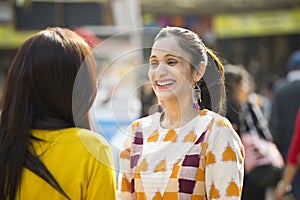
<point x="204" y="159"/>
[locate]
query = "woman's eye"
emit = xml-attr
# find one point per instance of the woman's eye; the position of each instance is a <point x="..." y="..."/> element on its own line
<point x="172" y="62"/>
<point x="153" y="63"/>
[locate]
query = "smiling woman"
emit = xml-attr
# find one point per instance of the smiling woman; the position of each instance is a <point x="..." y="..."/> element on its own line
<point x="183" y="152"/>
<point x="168" y="74"/>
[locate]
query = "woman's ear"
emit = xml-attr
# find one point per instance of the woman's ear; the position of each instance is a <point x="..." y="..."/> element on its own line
<point x="199" y="72"/>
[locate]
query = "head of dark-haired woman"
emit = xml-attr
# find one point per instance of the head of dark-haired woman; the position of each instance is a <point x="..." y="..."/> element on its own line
<point x="204" y="71"/>
<point x="50" y="85"/>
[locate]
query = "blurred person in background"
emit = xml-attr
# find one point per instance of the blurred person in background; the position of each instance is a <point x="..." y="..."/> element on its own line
<point x="284" y="109"/>
<point x="267" y="92"/>
<point x="246" y="117"/>
<point x="292" y="164"/>
<point x="50" y="87"/>
<point x="186" y="151"/>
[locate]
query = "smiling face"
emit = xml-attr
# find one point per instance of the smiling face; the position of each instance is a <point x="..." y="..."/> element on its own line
<point x="170" y="72"/>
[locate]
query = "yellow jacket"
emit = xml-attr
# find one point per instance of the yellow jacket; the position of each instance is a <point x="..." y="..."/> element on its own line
<point x="79" y="159"/>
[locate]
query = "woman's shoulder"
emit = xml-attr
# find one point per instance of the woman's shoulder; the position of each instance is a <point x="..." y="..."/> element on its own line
<point x="92" y="139"/>
<point x="219" y="124"/>
<point x="69" y="135"/>
<point x="217" y="119"/>
<point x="80" y="142"/>
<point x="221" y="129"/>
<point x="86" y="134"/>
<point x="96" y="145"/>
<point x="72" y="135"/>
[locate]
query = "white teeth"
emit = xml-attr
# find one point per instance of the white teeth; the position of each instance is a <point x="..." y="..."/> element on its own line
<point x="163" y="83"/>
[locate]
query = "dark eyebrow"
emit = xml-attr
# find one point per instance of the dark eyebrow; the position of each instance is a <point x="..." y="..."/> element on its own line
<point x="153" y="56"/>
<point x="171" y="55"/>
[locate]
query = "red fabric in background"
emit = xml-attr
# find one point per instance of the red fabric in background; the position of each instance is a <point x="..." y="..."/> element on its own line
<point x="294" y="151"/>
<point x="88" y="36"/>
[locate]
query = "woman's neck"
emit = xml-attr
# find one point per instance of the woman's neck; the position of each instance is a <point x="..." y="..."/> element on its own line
<point x="177" y="114"/>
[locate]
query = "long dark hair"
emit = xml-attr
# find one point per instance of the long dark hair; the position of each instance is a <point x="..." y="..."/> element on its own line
<point x="212" y="83"/>
<point x="38" y="95"/>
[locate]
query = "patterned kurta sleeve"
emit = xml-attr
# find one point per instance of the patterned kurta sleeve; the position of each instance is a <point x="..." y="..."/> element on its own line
<point x="125" y="174"/>
<point x="224" y="171"/>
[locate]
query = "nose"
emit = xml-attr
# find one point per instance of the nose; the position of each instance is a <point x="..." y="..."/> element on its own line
<point x="161" y="69"/>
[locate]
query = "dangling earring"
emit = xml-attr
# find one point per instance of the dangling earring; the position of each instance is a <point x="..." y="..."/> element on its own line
<point x="197" y="102"/>
<point x="160" y="107"/>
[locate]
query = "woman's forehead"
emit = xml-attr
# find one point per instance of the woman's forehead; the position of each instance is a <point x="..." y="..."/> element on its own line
<point x="168" y="45"/>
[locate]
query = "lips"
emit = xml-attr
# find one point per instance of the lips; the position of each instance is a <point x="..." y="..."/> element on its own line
<point x="164" y="83"/>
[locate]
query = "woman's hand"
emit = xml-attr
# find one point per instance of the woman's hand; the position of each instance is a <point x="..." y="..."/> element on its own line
<point x="281" y="191"/>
